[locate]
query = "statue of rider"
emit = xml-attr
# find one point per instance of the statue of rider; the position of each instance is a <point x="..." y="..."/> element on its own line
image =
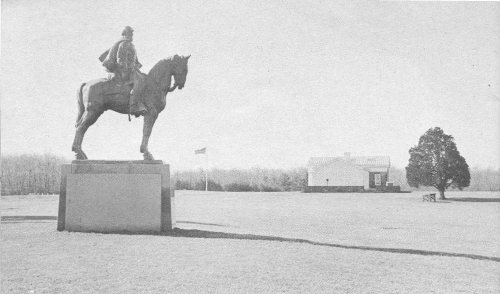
<point x="121" y="61"/>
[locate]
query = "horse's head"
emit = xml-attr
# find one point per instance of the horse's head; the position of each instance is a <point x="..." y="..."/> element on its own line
<point x="180" y="70"/>
<point x="163" y="71"/>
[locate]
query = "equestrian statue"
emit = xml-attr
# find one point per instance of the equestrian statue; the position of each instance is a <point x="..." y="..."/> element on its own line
<point x="127" y="90"/>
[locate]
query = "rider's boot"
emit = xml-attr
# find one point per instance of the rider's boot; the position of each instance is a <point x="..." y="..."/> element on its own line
<point x="137" y="108"/>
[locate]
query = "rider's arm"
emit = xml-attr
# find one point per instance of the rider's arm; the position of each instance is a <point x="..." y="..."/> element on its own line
<point x="136" y="60"/>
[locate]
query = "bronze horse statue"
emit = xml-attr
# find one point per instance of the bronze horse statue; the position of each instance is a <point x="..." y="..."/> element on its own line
<point x="99" y="95"/>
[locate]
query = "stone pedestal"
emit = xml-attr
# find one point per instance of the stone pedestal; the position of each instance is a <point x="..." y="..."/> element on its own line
<point x="116" y="197"/>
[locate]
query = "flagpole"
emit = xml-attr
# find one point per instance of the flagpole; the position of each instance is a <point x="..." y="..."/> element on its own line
<point x="204" y="151"/>
<point x="206" y="172"/>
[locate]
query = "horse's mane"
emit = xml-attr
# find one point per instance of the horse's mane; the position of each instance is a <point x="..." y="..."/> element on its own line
<point x="158" y="70"/>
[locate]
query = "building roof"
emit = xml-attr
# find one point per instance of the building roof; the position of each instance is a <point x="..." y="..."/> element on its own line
<point x="378" y="161"/>
<point x="360" y="161"/>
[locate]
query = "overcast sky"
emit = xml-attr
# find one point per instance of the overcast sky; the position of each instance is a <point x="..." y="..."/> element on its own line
<point x="270" y="83"/>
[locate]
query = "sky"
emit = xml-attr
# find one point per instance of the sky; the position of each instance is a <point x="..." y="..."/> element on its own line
<point x="270" y="83"/>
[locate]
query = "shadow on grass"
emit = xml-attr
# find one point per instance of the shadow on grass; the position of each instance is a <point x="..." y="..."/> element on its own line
<point x="472" y="199"/>
<point x="221" y="235"/>
<point x="184" y="233"/>
<point x="27" y="218"/>
<point x="198" y="223"/>
<point x="35" y="218"/>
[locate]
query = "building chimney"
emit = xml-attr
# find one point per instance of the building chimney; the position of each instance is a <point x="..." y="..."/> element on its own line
<point x="347" y="155"/>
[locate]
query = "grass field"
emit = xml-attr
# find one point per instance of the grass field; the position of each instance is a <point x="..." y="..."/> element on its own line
<point x="265" y="242"/>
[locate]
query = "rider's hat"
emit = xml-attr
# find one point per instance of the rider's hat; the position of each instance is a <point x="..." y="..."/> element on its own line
<point x="127" y="31"/>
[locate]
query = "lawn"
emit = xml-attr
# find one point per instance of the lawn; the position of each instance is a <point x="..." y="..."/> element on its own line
<point x="265" y="242"/>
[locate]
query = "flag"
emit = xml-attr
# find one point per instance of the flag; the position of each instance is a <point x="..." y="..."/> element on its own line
<point x="201" y="151"/>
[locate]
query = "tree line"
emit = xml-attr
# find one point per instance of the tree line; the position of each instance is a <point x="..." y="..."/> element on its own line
<point x="40" y="174"/>
<point x="31" y="174"/>
<point x="254" y="179"/>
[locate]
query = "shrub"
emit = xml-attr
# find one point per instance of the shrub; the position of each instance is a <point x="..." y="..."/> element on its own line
<point x="238" y="187"/>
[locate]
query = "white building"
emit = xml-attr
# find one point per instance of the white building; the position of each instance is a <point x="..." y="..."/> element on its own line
<point x="348" y="174"/>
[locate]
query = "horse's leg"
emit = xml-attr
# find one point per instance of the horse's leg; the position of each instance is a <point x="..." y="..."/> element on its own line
<point x="149" y="121"/>
<point x="75" y="148"/>
<point x="88" y="119"/>
<point x="77" y="142"/>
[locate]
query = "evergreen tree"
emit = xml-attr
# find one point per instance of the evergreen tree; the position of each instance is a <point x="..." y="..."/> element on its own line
<point x="436" y="162"/>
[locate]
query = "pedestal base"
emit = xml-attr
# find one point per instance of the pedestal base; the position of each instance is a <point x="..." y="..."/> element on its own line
<point x="116" y="197"/>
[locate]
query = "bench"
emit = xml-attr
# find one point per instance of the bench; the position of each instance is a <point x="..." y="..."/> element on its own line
<point x="429" y="197"/>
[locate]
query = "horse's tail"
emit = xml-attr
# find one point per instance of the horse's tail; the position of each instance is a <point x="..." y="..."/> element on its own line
<point x="81" y="108"/>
